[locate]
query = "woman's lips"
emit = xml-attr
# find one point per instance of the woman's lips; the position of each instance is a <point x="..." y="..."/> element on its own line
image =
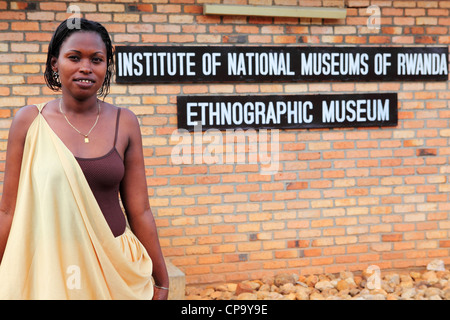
<point x="84" y="83"/>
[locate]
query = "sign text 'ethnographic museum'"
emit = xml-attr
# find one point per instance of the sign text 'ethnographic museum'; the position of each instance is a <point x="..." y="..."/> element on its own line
<point x="164" y="64"/>
<point x="286" y="111"/>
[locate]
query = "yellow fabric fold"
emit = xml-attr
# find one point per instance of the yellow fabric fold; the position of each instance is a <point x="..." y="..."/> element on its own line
<point x="60" y="245"/>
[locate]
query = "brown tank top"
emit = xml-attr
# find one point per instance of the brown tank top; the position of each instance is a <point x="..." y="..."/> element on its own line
<point x="104" y="175"/>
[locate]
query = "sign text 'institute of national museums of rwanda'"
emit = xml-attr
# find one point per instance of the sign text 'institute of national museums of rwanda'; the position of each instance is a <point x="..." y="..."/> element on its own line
<point x="159" y="64"/>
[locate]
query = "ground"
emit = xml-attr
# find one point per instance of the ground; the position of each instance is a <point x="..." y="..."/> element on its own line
<point x="432" y="283"/>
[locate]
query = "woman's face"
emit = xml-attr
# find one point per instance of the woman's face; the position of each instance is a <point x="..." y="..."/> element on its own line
<point x="81" y="64"/>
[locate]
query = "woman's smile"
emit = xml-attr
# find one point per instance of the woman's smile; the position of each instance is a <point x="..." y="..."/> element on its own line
<point x="84" y="83"/>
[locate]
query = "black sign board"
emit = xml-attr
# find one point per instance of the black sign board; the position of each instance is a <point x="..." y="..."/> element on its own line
<point x="164" y="64"/>
<point x="286" y="111"/>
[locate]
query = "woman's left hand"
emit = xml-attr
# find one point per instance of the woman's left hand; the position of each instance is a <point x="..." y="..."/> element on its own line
<point x="160" y="294"/>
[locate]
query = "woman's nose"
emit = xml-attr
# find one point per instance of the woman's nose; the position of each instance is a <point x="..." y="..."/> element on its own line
<point x="86" y="67"/>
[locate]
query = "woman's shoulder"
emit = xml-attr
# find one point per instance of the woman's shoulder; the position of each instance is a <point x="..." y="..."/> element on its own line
<point x="26" y="112"/>
<point x="125" y="113"/>
<point x="22" y="121"/>
<point x="25" y="116"/>
<point x="128" y="118"/>
<point x="128" y="114"/>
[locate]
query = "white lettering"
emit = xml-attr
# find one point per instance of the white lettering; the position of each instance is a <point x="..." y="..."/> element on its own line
<point x="336" y="64"/>
<point x="422" y="64"/>
<point x="254" y="63"/>
<point x="355" y="110"/>
<point x="74" y="279"/>
<point x="190" y="114"/>
<point x="159" y="64"/>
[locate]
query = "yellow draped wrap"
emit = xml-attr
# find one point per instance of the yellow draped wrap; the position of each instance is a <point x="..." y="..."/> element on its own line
<point x="60" y="245"/>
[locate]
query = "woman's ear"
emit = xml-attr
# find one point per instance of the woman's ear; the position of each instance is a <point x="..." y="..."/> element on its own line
<point x="54" y="64"/>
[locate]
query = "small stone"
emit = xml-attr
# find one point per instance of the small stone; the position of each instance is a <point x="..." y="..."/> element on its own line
<point x="344" y="295"/>
<point x="443" y="275"/>
<point x="193" y="291"/>
<point x="207" y="292"/>
<point x="262" y="295"/>
<point x="222" y="287"/>
<point x="406" y="284"/>
<point x="312" y="280"/>
<point x="357" y="280"/>
<point x="290" y="296"/>
<point x="217" y="295"/>
<point x="302" y="295"/>
<point x="323" y="285"/>
<point x="391" y="296"/>
<point x="255" y="284"/>
<point x="409" y="293"/>
<point x="351" y="282"/>
<point x="316" y="296"/>
<point x="342" y="285"/>
<point x="447" y="294"/>
<point x="267" y="280"/>
<point x="232" y="287"/>
<point x="247" y="296"/>
<point x="378" y="291"/>
<point x="430" y="277"/>
<point x="429" y="292"/>
<point x="284" y="278"/>
<point x="405" y="278"/>
<point x="329" y="293"/>
<point x="275" y="296"/>
<point x="415" y="275"/>
<point x="265" y="287"/>
<point x="287" y="288"/>
<point x="324" y="277"/>
<point x="436" y="265"/>
<point x="244" y="287"/>
<point x="227" y="295"/>
<point x="392" y="279"/>
<point x="354" y="291"/>
<point x="345" y="275"/>
<point x="377" y="296"/>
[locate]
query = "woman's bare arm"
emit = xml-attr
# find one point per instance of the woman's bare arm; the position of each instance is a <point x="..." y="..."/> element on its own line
<point x="134" y="196"/>
<point x="14" y="153"/>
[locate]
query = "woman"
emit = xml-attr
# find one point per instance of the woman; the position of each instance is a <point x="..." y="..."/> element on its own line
<point x="63" y="234"/>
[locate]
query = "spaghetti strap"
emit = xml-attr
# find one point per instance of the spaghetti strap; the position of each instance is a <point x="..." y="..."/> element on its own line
<point x="40" y="106"/>
<point x="117" y="126"/>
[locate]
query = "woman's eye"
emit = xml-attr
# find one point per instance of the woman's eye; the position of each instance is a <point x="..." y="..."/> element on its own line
<point x="75" y="58"/>
<point x="97" y="60"/>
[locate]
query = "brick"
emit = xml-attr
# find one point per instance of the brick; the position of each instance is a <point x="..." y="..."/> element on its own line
<point x="111" y="7"/>
<point x="145" y="7"/>
<point x="53" y="6"/>
<point x="392" y="237"/>
<point x="444" y="243"/>
<point x="42" y="15"/>
<point x="22" y="26"/>
<point x="426" y="152"/>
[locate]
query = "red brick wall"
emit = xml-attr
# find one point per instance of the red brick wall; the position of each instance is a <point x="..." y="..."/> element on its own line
<point x="343" y="199"/>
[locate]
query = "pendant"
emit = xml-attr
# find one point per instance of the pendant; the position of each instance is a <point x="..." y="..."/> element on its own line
<point x="86" y="139"/>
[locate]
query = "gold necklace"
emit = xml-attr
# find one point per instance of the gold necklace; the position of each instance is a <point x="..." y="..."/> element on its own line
<point x="86" y="136"/>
